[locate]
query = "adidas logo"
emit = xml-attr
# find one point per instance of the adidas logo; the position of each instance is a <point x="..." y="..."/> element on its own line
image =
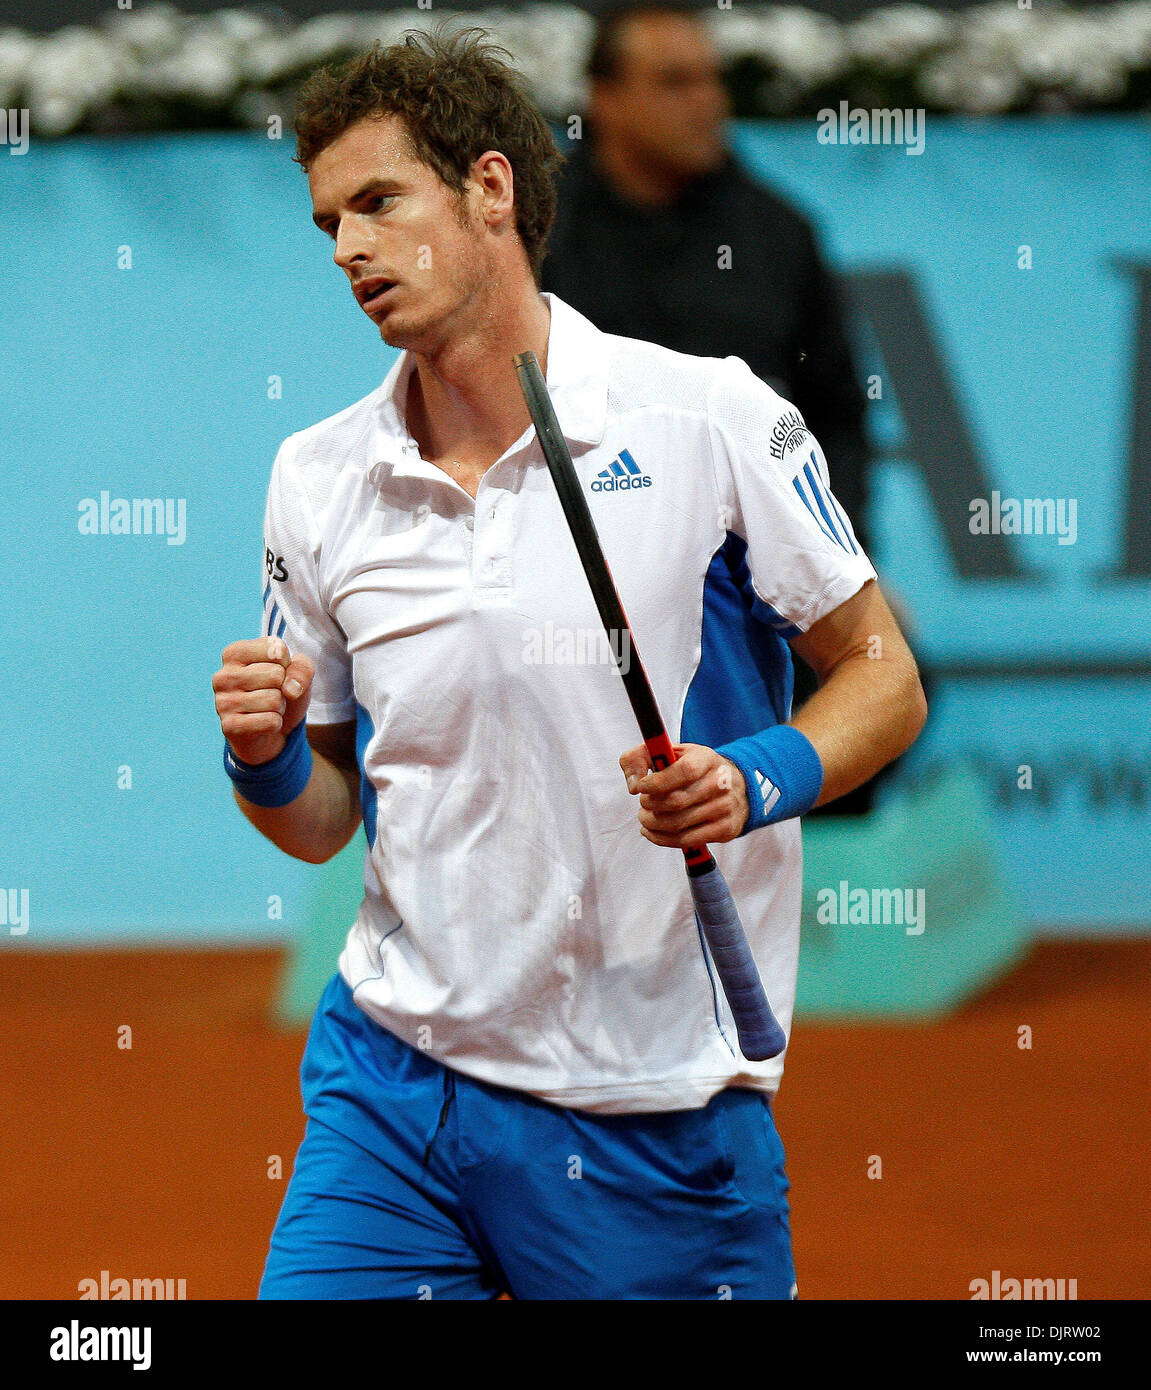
<point x="768" y="790"/>
<point x="622" y="474"/>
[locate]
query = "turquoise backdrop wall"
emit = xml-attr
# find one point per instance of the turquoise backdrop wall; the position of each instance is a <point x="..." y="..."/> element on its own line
<point x="170" y="315"/>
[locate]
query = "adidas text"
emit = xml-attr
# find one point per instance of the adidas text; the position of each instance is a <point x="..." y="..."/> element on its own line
<point x="619" y="484"/>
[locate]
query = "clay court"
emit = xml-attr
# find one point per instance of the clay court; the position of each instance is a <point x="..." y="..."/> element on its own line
<point x="153" y="1162"/>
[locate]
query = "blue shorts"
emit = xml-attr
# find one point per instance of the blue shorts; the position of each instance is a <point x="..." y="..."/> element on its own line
<point x="414" y="1181"/>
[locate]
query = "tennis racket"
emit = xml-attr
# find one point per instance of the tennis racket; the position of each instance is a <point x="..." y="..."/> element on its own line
<point x="760" y="1035"/>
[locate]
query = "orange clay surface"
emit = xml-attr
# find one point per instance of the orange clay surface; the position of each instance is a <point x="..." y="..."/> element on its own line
<point x="154" y="1162"/>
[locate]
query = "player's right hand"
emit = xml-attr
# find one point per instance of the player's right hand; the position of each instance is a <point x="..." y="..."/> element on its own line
<point x="262" y="693"/>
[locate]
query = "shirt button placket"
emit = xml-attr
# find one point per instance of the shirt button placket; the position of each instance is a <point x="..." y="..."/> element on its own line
<point x="491" y="552"/>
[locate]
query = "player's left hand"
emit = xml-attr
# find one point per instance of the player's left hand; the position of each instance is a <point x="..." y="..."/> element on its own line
<point x="700" y="799"/>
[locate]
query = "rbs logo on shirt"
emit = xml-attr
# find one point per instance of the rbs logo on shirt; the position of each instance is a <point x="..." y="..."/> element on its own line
<point x="274" y="564"/>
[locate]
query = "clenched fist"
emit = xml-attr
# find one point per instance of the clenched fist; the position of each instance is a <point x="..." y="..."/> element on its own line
<point x="262" y="693"/>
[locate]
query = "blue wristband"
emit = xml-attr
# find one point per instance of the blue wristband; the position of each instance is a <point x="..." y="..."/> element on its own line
<point x="783" y="773"/>
<point x="277" y="782"/>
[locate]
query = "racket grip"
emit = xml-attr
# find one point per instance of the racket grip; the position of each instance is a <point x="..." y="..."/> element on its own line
<point x="760" y="1035"/>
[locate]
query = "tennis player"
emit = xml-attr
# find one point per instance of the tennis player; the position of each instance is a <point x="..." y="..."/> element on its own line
<point x="523" y="1077"/>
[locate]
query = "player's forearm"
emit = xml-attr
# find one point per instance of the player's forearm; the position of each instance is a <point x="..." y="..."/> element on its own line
<point x="319" y="822"/>
<point x="868" y="711"/>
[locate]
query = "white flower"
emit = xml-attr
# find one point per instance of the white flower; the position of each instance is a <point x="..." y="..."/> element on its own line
<point x="16" y="50"/>
<point x="805" y="47"/>
<point x="271" y="58"/>
<point x="1048" y="59"/>
<point x="201" y="69"/>
<point x="149" y="32"/>
<point x="266" y="60"/>
<point x="240" y="26"/>
<point x="243" y="36"/>
<point x="1098" y="80"/>
<point x="69" y="73"/>
<point x="738" y="32"/>
<point x="1125" y="32"/>
<point x="984" y="60"/>
<point x="893" y="39"/>
<point x="999" y="26"/>
<point x="327" y="36"/>
<point x="953" y="82"/>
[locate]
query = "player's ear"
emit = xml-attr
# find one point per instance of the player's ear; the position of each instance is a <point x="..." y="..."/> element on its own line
<point x="492" y="174"/>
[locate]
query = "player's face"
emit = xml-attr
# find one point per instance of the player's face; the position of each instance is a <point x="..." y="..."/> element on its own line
<point x="667" y="102"/>
<point x="411" y="248"/>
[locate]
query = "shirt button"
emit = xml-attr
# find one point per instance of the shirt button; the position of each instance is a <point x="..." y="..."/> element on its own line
<point x="470" y="522"/>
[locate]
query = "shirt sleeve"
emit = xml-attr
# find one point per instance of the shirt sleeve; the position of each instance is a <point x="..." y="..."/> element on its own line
<point x="293" y="606"/>
<point x="774" y="490"/>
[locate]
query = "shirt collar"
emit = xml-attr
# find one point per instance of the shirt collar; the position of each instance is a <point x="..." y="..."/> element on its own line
<point x="577" y="373"/>
<point x="576" y="378"/>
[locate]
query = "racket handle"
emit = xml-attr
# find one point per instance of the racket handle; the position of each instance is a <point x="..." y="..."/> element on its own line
<point x="760" y="1035"/>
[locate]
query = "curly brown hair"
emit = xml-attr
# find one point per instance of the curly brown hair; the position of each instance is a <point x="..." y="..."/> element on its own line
<point x="457" y="99"/>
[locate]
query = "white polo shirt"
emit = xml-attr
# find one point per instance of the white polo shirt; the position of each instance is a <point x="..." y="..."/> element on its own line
<point x="515" y="924"/>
